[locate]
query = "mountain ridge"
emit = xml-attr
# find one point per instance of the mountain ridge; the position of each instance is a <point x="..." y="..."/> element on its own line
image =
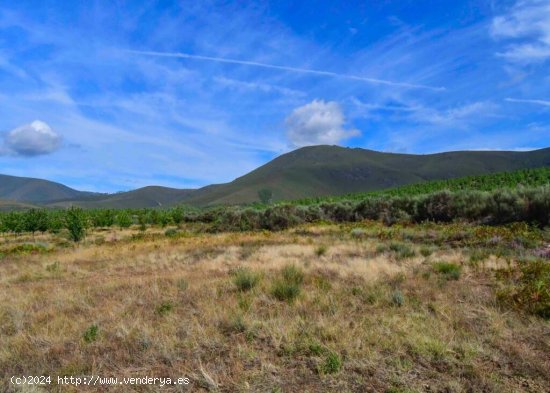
<point x="306" y="172"/>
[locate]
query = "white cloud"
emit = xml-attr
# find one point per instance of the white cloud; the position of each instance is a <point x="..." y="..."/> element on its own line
<point x="524" y="101"/>
<point x="451" y="116"/>
<point x="527" y="24"/>
<point x="317" y="123"/>
<point x="36" y="138"/>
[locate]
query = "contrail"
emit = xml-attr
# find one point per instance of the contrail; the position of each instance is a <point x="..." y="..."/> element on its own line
<point x="285" y="68"/>
<point x="538" y="102"/>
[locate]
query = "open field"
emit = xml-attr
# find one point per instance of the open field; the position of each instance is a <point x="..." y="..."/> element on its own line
<point x="321" y="307"/>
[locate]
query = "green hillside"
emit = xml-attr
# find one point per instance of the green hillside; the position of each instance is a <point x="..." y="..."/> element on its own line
<point x="503" y="180"/>
<point x="25" y="189"/>
<point x="309" y="172"/>
<point x="331" y="170"/>
<point x="152" y="196"/>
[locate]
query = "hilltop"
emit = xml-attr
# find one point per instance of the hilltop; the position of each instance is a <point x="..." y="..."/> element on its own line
<point x="309" y="172"/>
<point x="331" y="170"/>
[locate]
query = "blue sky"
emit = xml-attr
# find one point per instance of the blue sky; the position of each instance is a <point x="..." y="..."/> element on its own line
<point x="109" y="96"/>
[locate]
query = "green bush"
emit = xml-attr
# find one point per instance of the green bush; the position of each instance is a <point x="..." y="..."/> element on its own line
<point x="288" y="286"/>
<point x="450" y="271"/>
<point x="533" y="288"/>
<point x="91" y="334"/>
<point x="164" y="308"/>
<point x="293" y="274"/>
<point x="397" y="298"/>
<point x="401" y="250"/>
<point x="332" y="364"/>
<point x="245" y="279"/>
<point x="280" y="217"/>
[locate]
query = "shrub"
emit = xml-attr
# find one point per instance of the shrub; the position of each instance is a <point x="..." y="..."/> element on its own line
<point x="369" y="208"/>
<point x="245" y="279"/>
<point x="426" y="251"/>
<point x="436" y="207"/>
<point x="394" y="215"/>
<point x="293" y="274"/>
<point x="339" y="211"/>
<point x="451" y="271"/>
<point x="321" y="250"/>
<point x="332" y="364"/>
<point x="288" y="286"/>
<point x="311" y="213"/>
<point x="285" y="291"/>
<point x="233" y="324"/>
<point x="164" y="308"/>
<point x="401" y="250"/>
<point x="90" y="335"/>
<point x="171" y="232"/>
<point x="279" y="218"/>
<point x="397" y="298"/>
<point x="533" y="291"/>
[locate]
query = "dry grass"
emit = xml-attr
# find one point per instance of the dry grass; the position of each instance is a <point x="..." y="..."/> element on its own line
<point x="163" y="306"/>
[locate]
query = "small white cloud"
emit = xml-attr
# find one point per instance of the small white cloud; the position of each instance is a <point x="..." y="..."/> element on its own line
<point x="34" y="139"/>
<point x="317" y="123"/>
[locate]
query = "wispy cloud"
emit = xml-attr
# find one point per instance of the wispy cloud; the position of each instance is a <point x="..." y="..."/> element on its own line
<point x="527" y="25"/>
<point x="456" y="116"/>
<point x="524" y="101"/>
<point x="182" y="55"/>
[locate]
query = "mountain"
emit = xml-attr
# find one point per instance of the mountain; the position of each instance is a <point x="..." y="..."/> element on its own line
<point x="25" y="189"/>
<point x="304" y="173"/>
<point x="332" y="170"/>
<point x="151" y="196"/>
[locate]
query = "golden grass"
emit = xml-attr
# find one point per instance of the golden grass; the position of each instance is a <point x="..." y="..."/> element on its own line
<point x="168" y="307"/>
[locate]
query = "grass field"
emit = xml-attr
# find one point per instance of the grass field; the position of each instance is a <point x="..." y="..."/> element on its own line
<point x="316" y="308"/>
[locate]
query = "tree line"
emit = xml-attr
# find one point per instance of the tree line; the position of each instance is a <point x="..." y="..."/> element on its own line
<point x="495" y="207"/>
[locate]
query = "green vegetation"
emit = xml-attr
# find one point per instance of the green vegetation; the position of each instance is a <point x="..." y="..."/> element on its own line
<point x="245" y="279"/>
<point x="528" y="287"/>
<point x="76" y="223"/>
<point x="525" y="178"/>
<point x="164" y="308"/>
<point x="450" y="271"/>
<point x="288" y="286"/>
<point x="332" y="364"/>
<point x="313" y="172"/>
<point x="491" y="199"/>
<point x="90" y="335"/>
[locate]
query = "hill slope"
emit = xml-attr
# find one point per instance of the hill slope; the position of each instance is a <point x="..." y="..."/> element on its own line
<point x="26" y="189"/>
<point x="331" y="170"/>
<point x="151" y="196"/>
<point x="308" y="172"/>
